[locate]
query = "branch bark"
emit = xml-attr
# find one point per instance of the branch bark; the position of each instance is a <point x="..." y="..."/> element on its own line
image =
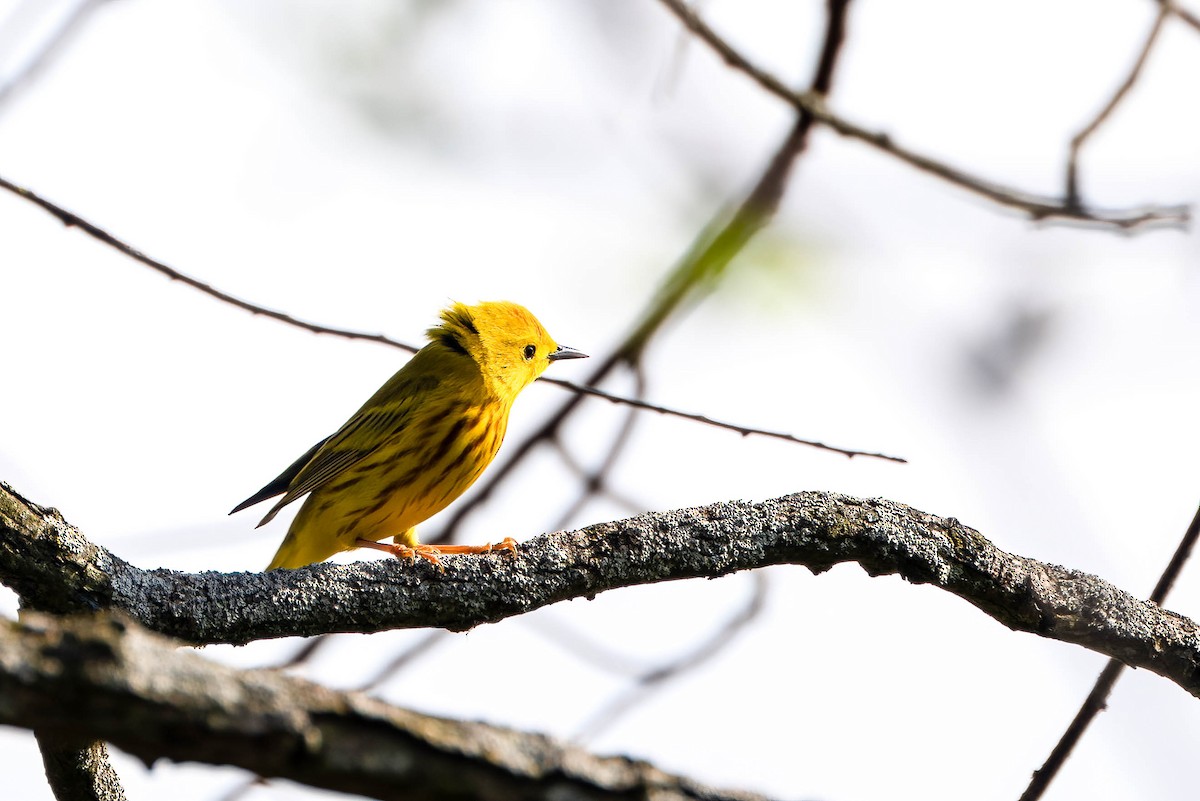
<point x="78" y="770"/>
<point x="44" y="560"/>
<point x="103" y="676"/>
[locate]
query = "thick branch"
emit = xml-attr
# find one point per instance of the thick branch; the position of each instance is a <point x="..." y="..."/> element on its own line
<point x="106" y="678"/>
<point x="78" y="770"/>
<point x="43" y="558"/>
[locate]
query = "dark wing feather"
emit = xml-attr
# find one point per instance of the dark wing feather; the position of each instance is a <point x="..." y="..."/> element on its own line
<point x="361" y="436"/>
<point x="282" y="481"/>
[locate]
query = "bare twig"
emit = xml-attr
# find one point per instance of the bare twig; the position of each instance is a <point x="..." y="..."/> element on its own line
<point x="650" y="681"/>
<point x="1077" y="141"/>
<point x="70" y="219"/>
<point x="1036" y="207"/>
<point x="243" y="788"/>
<point x="593" y="480"/>
<point x="711" y="252"/>
<point x="1097" y="699"/>
<point x="575" y="643"/>
<point x="700" y="418"/>
<point x="403" y="659"/>
<point x="623" y="500"/>
<point x="305" y="652"/>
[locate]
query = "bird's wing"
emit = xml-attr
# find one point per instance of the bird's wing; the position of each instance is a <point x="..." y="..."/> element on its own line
<point x="362" y="435"/>
<point x="386" y="414"/>
<point x="280" y="483"/>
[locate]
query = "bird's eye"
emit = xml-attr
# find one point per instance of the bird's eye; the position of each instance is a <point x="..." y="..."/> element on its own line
<point x="529" y="351"/>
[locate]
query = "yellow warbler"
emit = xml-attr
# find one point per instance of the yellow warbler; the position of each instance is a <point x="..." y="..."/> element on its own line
<point x="418" y="443"/>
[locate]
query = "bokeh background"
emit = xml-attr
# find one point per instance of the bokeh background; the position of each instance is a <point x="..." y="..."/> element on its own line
<point x="361" y="163"/>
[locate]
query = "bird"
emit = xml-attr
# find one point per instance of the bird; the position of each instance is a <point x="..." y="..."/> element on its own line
<point x="417" y="444"/>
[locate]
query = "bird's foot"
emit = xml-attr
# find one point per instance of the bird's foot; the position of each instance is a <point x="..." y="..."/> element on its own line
<point x="431" y="553"/>
<point x="506" y="544"/>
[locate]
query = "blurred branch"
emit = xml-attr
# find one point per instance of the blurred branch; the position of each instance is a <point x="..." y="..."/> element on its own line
<point x="69" y="23"/>
<point x="45" y="560"/>
<point x="1037" y="207"/>
<point x="106" y="678"/>
<point x="403" y="659"/>
<point x="307" y="650"/>
<point x="606" y="490"/>
<point x="1097" y="699"/>
<point x="726" y="236"/>
<point x="1080" y="138"/>
<point x="72" y="220"/>
<point x="650" y="681"/>
<point x="1181" y="13"/>
<point x="695" y="273"/>
<point x="594" y="480"/>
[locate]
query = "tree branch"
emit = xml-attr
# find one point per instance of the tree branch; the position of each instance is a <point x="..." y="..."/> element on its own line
<point x="1077" y="141"/>
<point x="104" y="677"/>
<point x="78" y="771"/>
<point x="1097" y="699"/>
<point x="813" y="529"/>
<point x="72" y="220"/>
<point x="1181" y="14"/>
<point x="1037" y="207"/>
<point x="709" y="255"/>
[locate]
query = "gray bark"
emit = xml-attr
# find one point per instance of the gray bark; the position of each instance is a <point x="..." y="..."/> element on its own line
<point x="52" y="566"/>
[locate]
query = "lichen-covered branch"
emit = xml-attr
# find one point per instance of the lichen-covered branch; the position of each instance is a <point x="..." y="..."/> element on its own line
<point x="104" y="677"/>
<point x="45" y="560"/>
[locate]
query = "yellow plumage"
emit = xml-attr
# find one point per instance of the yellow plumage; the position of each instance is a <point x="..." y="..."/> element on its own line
<point x="420" y="441"/>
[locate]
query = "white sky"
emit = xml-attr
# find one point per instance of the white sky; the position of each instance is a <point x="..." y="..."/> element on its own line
<point x="323" y="159"/>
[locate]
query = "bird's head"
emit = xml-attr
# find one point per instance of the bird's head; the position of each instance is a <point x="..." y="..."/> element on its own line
<point x="509" y="345"/>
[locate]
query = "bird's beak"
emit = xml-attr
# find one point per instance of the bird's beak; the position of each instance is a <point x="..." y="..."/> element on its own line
<point x="566" y="353"/>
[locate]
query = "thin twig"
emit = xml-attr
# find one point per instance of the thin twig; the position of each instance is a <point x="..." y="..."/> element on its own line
<point x="717" y="245"/>
<point x="1097" y="698"/>
<point x="305" y="652"/>
<point x="574" y="642"/>
<point x="243" y="788"/>
<point x="699" y="418"/>
<point x="1080" y="138"/>
<point x="1037" y="207"/>
<point x="649" y="682"/>
<point x="71" y="219"/>
<point x="404" y="658"/>
<point x="593" y="480"/>
<point x="605" y="490"/>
